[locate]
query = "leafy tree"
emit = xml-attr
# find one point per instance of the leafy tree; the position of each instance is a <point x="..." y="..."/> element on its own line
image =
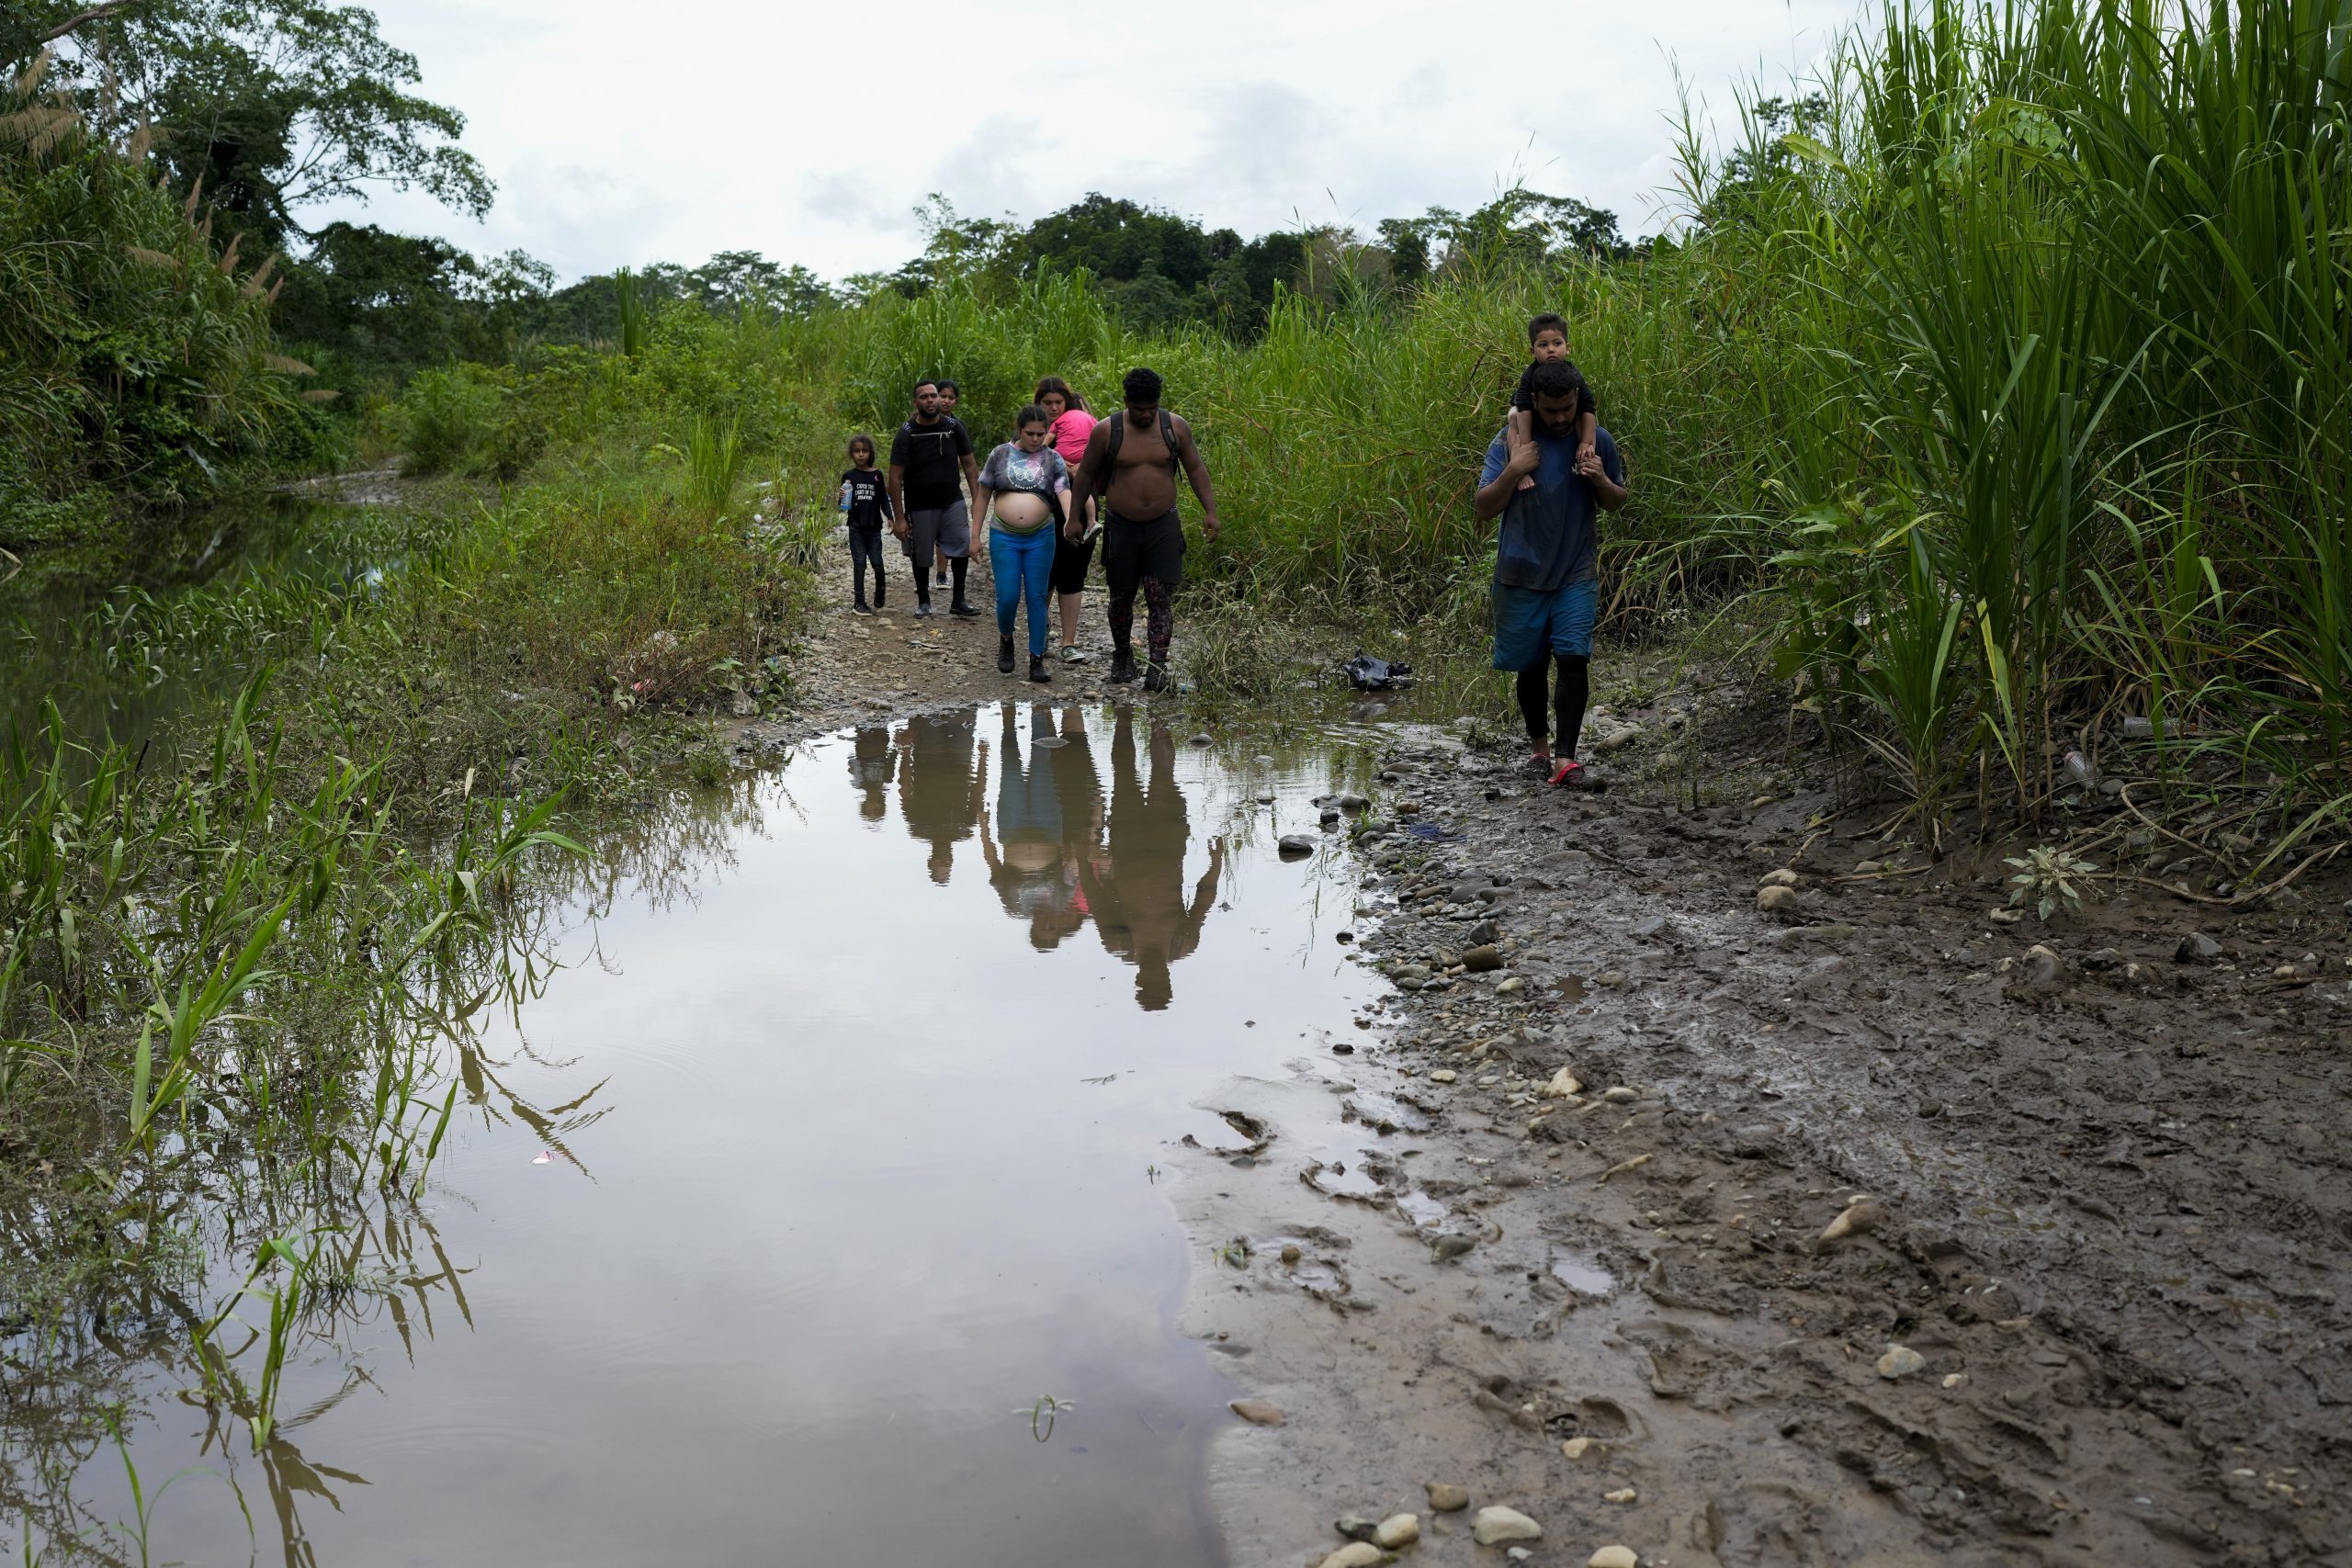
<point x="268" y="106"/>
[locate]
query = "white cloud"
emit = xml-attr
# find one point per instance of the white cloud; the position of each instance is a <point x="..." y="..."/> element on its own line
<point x="810" y="131"/>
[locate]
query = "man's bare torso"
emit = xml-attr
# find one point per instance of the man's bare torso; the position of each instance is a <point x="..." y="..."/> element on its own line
<point x="1142" y="483"/>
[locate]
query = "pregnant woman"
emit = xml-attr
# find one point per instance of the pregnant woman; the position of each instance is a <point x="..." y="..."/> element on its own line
<point x="1022" y="490"/>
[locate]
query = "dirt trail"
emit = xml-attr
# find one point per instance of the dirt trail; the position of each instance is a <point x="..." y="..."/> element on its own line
<point x="2090" y="1306"/>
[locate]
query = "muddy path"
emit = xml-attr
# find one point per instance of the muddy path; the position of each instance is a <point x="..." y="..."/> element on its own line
<point x="1868" y="1228"/>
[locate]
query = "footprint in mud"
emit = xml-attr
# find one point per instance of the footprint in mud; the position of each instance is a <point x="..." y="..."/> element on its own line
<point x="1384" y="1114"/>
<point x="1337" y="1178"/>
<point x="1257" y="1136"/>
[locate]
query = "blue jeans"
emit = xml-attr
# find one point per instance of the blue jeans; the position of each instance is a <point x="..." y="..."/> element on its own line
<point x="1024" y="565"/>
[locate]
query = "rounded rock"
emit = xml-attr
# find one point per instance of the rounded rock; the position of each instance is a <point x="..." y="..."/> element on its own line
<point x="1362" y="1554"/>
<point x="1776" y="899"/>
<point x="1900" y="1361"/>
<point x="1495" y="1525"/>
<point x="1784" y="877"/>
<point x="1257" y="1411"/>
<point x="1445" y="1497"/>
<point x="1613" y="1557"/>
<point x="1397" y="1530"/>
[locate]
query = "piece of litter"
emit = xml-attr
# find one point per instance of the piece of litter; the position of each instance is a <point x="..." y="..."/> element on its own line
<point x="546" y="1156"/>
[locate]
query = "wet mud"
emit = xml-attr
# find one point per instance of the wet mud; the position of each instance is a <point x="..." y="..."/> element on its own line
<point x="1859" y="1233"/>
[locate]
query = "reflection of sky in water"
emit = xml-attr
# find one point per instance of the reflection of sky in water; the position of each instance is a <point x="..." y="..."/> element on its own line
<point x="854" y="1188"/>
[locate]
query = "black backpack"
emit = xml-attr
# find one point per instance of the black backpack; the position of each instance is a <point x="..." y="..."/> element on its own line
<point x="1118" y="423"/>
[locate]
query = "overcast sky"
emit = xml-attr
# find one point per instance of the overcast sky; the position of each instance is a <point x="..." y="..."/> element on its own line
<point x="621" y="134"/>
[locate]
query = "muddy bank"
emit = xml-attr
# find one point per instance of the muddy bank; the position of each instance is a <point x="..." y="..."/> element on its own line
<point x="2085" y="1302"/>
<point x="1857" y="1231"/>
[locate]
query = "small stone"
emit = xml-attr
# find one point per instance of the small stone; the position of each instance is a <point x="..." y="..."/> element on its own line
<point x="1900" y="1361"/>
<point x="1622" y="1495"/>
<point x="1485" y="931"/>
<point x="1483" y="957"/>
<point x="1328" y="816"/>
<point x="1362" y="1554"/>
<point x="1352" y="802"/>
<point x="1266" y="798"/>
<point x="1290" y="1253"/>
<point x="2197" y="948"/>
<point x="1257" y="1411"/>
<point x="1519" y="1554"/>
<point x="1649" y="926"/>
<point x="1613" y="1557"/>
<point x="1776" y="899"/>
<point x="1443" y="1075"/>
<point x="1445" y="1497"/>
<point x="1448" y="1247"/>
<point x="1576" y="1448"/>
<point x="1953" y="1380"/>
<point x="1618" y="1094"/>
<point x="1496" y="1525"/>
<point x="1858" y="1220"/>
<point x="1563" y="1084"/>
<point x="1784" y="877"/>
<point x="1293" y="845"/>
<point x="1355" y="1527"/>
<point x="1511" y="988"/>
<point x="1397" y="1530"/>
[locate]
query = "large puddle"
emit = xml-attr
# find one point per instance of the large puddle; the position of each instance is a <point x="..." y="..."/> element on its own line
<point x="863" y="1118"/>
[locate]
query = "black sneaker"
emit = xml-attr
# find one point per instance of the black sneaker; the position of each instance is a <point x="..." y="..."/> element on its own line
<point x="1004" y="656"/>
<point x="1122" y="667"/>
<point x="941" y="581"/>
<point x="960" y="608"/>
<point x="922" y="609"/>
<point x="861" y="608"/>
<point x="1154" y="678"/>
<point x="1037" y="670"/>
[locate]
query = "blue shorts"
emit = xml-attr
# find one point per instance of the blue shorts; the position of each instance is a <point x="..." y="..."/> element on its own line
<point x="1533" y="622"/>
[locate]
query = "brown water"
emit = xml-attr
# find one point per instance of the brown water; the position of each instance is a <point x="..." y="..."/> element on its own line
<point x="864" y="1106"/>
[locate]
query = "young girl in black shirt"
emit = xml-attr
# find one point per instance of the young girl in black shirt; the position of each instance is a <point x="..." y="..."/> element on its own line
<point x="866" y="506"/>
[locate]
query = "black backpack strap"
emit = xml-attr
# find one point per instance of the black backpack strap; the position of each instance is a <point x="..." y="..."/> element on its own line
<point x="1118" y="423"/>
<point x="1168" y="438"/>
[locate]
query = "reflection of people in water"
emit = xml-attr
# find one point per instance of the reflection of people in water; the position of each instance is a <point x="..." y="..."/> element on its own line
<point x="869" y="771"/>
<point x="1026" y="872"/>
<point x="1136" y="886"/>
<point x="941" y="785"/>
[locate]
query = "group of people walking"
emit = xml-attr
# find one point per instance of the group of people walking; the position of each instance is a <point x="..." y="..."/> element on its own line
<point x="1038" y="505"/>
<point x="1066" y="478"/>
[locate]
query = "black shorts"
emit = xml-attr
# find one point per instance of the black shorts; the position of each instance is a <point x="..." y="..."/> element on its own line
<point x="1070" y="562"/>
<point x="1133" y="552"/>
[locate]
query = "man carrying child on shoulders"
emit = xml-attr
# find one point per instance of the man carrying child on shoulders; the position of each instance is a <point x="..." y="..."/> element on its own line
<point x="1547" y="560"/>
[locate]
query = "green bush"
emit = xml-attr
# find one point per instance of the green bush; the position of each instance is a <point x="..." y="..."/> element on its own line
<point x="447" y="419"/>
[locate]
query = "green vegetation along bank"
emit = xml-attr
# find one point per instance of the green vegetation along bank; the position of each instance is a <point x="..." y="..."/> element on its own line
<point x="2006" y="377"/>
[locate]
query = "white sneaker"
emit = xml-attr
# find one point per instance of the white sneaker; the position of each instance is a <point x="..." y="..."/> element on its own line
<point x="1073" y="654"/>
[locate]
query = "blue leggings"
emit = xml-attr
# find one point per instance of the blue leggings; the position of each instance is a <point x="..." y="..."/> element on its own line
<point x="1024" y="565"/>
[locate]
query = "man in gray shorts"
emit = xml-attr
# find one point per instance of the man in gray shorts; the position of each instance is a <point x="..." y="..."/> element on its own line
<point x="930" y="458"/>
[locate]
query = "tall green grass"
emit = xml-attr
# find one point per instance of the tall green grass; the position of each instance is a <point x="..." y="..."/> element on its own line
<point x="2025" y="385"/>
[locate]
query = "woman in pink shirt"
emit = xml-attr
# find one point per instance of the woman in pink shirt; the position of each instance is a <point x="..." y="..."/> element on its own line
<point x="1073" y="424"/>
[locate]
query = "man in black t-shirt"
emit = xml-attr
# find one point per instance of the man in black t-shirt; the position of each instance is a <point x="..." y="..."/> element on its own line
<point x="930" y="458"/>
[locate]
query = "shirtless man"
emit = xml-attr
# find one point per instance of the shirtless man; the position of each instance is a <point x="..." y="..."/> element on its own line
<point x="1131" y="462"/>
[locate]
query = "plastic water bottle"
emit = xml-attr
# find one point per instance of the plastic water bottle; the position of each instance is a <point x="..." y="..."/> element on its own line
<point x="844" y="505"/>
